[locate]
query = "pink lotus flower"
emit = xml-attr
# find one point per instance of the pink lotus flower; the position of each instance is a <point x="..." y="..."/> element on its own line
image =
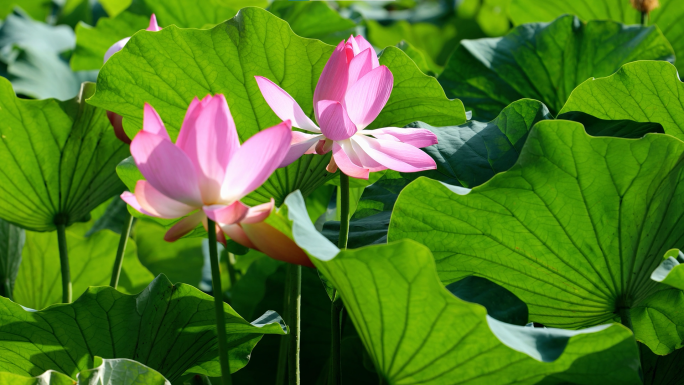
<point x="256" y="234"/>
<point x="350" y="94"/>
<point x="115" y="119"/>
<point x="206" y="172"/>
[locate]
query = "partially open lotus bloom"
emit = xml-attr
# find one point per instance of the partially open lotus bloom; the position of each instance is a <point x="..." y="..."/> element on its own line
<point x="115" y="119"/>
<point x="350" y="94"/>
<point x="256" y="234"/>
<point x="206" y="172"/>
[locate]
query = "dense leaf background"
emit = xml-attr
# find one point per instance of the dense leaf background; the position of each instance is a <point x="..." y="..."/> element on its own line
<point x="553" y="215"/>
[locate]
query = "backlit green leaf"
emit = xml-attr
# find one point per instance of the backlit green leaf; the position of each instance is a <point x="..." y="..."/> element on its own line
<point x="418" y="332"/>
<point x="58" y="159"/>
<point x="406" y="320"/>
<point x="574" y="229"/>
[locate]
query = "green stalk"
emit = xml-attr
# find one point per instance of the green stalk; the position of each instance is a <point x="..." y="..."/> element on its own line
<point x="336" y="306"/>
<point x="123" y="241"/>
<point x="344" y="211"/>
<point x="335" y="327"/>
<point x="64" y="263"/>
<point x="643" y="18"/>
<point x="294" y="291"/>
<point x="626" y="318"/>
<point x="284" y="341"/>
<point x="218" y="304"/>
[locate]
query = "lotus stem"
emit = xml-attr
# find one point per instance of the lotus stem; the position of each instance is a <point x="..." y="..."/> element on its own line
<point x="626" y="318"/>
<point x="218" y="303"/>
<point x="643" y="18"/>
<point x="294" y="290"/>
<point x="344" y="211"/>
<point x="336" y="306"/>
<point x="336" y="337"/>
<point x="282" y="351"/>
<point x="123" y="241"/>
<point x="64" y="263"/>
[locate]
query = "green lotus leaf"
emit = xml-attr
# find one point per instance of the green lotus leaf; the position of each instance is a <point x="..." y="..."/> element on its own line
<point x="406" y="320"/>
<point x="643" y="91"/>
<point x="12" y="239"/>
<point x="667" y="16"/>
<point x="545" y="61"/>
<point x="669" y="271"/>
<point x="91" y="260"/>
<point x="170" y="328"/>
<point x="470" y="154"/>
<point x="58" y="159"/>
<point x="571" y="229"/>
<point x="404" y="315"/>
<point x="119" y="371"/>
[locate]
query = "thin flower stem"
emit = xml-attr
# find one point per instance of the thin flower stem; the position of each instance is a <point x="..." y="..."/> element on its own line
<point x="626" y="320"/>
<point x="335" y="360"/>
<point x="218" y="303"/>
<point x="643" y="18"/>
<point x="295" y="305"/>
<point x="336" y="306"/>
<point x="123" y="241"/>
<point x="625" y="317"/>
<point x="284" y="341"/>
<point x="64" y="263"/>
<point x="344" y="211"/>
